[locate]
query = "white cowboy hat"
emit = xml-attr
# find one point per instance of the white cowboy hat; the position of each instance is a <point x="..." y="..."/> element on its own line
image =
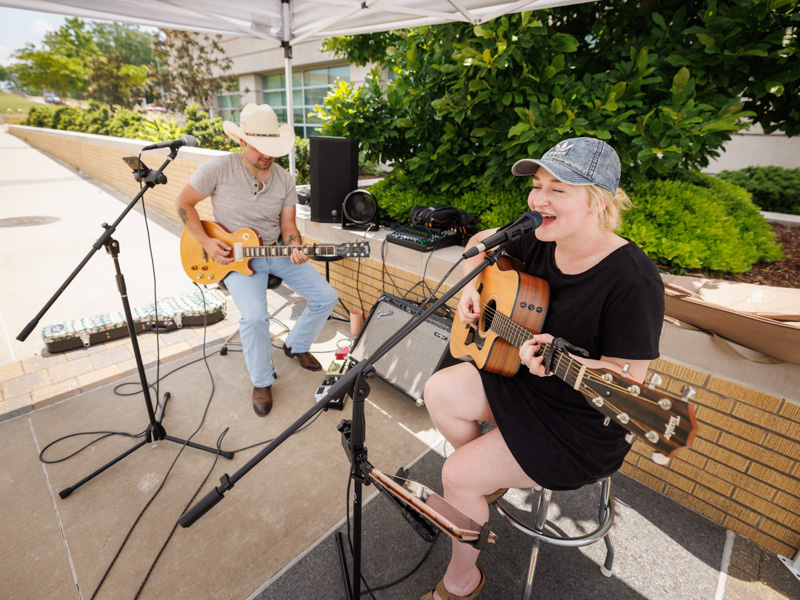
<point x="258" y="126"/>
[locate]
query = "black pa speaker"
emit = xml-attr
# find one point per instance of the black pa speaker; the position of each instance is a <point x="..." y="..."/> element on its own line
<point x="360" y="211"/>
<point x="419" y="355"/>
<point x="334" y="174"/>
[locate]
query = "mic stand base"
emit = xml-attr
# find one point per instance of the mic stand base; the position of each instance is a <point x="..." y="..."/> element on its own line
<point x="155" y="431"/>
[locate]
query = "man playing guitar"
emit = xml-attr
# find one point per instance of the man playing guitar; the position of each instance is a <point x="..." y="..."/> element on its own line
<point x="248" y="189"/>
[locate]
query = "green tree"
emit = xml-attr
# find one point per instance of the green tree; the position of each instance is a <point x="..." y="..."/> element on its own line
<point x="3" y="73"/>
<point x="45" y="70"/>
<point x="73" y="39"/>
<point x="749" y="49"/>
<point x="134" y="46"/>
<point x="113" y="82"/>
<point x="466" y="102"/>
<point x="190" y="68"/>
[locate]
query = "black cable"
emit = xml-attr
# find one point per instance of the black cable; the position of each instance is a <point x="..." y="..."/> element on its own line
<point x="177" y="521"/>
<point x="172" y="466"/>
<point x="358" y="287"/>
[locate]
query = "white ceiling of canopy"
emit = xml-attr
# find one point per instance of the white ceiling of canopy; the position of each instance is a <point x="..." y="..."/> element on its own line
<point x="309" y="19"/>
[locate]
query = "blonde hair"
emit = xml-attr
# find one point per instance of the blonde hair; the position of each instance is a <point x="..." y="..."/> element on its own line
<point x="609" y="206"/>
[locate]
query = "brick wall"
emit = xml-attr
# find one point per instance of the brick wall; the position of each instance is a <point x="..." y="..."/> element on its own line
<point x="744" y="469"/>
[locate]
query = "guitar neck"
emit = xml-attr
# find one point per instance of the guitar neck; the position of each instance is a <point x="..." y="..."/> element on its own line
<point x="563" y="365"/>
<point x="270" y="251"/>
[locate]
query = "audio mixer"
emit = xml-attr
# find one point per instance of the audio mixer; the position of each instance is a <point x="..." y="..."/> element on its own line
<point x="424" y="239"/>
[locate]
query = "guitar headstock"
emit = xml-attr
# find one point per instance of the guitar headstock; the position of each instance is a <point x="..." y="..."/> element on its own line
<point x="664" y="421"/>
<point x="353" y="249"/>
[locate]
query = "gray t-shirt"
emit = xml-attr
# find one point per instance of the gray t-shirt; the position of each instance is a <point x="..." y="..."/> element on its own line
<point x="236" y="201"/>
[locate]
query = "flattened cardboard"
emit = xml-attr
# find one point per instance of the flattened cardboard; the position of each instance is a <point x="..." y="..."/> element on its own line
<point x="763" y="318"/>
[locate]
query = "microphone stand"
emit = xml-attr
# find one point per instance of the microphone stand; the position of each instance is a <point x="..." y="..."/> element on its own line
<point x="155" y="430"/>
<point x="354" y="384"/>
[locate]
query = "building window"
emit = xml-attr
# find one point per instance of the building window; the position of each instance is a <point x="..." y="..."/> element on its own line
<point x="229" y="105"/>
<point x="308" y="88"/>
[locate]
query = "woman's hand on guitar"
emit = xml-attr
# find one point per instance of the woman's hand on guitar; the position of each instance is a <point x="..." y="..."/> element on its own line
<point x="469" y="307"/>
<point x="218" y="250"/>
<point x="528" y="354"/>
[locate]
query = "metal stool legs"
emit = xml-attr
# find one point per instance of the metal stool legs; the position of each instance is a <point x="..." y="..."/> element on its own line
<point x="605" y="519"/>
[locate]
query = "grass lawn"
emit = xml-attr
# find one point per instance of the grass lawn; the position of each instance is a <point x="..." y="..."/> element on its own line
<point x="10" y="104"/>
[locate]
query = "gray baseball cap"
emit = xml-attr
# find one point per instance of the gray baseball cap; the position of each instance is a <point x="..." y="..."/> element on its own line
<point x="577" y="161"/>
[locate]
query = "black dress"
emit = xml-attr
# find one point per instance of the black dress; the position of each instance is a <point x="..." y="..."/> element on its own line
<point x="616" y="309"/>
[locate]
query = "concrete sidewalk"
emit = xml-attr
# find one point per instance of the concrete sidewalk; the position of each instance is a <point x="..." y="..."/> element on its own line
<point x="272" y="535"/>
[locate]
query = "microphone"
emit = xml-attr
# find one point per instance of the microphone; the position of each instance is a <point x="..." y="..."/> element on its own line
<point x="187" y="140"/>
<point x="511" y="231"/>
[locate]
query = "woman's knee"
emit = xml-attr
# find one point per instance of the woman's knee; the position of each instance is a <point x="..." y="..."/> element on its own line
<point x="458" y="475"/>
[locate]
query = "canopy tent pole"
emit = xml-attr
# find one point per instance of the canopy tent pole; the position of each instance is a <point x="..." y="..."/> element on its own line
<point x="286" y="10"/>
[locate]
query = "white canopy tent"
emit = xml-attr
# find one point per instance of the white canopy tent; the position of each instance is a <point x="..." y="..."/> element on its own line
<point x="285" y="22"/>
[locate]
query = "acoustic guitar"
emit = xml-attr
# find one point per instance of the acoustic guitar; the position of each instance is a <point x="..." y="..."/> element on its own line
<point x="513" y="309"/>
<point x="246" y="245"/>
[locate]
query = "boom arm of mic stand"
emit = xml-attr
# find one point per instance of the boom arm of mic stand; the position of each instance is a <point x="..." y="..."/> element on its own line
<point x="101" y="241"/>
<point x="346" y="384"/>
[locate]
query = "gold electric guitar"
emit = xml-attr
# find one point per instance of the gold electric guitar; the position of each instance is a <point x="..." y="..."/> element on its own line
<point x="513" y="308"/>
<point x="246" y="245"/>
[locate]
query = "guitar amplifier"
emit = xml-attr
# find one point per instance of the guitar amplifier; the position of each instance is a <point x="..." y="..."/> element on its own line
<point x="416" y="357"/>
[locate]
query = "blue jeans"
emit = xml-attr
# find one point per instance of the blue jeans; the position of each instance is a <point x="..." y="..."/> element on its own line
<point x="249" y="292"/>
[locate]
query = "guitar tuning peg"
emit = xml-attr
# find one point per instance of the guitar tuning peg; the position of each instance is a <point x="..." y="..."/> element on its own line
<point x="660" y="459"/>
<point x="687" y="393"/>
<point x="653" y="380"/>
<point x="625" y="369"/>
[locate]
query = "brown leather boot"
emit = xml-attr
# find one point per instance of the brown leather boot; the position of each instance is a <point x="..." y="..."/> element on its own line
<point x="307" y="361"/>
<point x="262" y="401"/>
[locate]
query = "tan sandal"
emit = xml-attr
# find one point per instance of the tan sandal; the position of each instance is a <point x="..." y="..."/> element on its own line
<point x="494" y="497"/>
<point x="445" y="595"/>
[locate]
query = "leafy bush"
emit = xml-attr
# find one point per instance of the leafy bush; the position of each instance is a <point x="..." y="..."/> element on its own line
<point x="209" y="132"/>
<point x="493" y="207"/>
<point x="302" y="159"/>
<point x="103" y="120"/>
<point x="774" y="189"/>
<point x="699" y="223"/>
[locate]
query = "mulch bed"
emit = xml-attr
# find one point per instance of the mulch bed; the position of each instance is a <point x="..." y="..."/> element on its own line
<point x="780" y="273"/>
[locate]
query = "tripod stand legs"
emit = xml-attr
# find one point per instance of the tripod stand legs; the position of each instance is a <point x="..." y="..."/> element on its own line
<point x="155" y="431"/>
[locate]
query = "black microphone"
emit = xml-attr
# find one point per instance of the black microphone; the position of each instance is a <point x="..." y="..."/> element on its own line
<point x="187" y="140"/>
<point x="511" y="231"/>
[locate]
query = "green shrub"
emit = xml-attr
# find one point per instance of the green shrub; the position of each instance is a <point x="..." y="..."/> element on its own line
<point x="493" y="206"/>
<point x="774" y="189"/>
<point x="302" y="159"/>
<point x="705" y="223"/>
